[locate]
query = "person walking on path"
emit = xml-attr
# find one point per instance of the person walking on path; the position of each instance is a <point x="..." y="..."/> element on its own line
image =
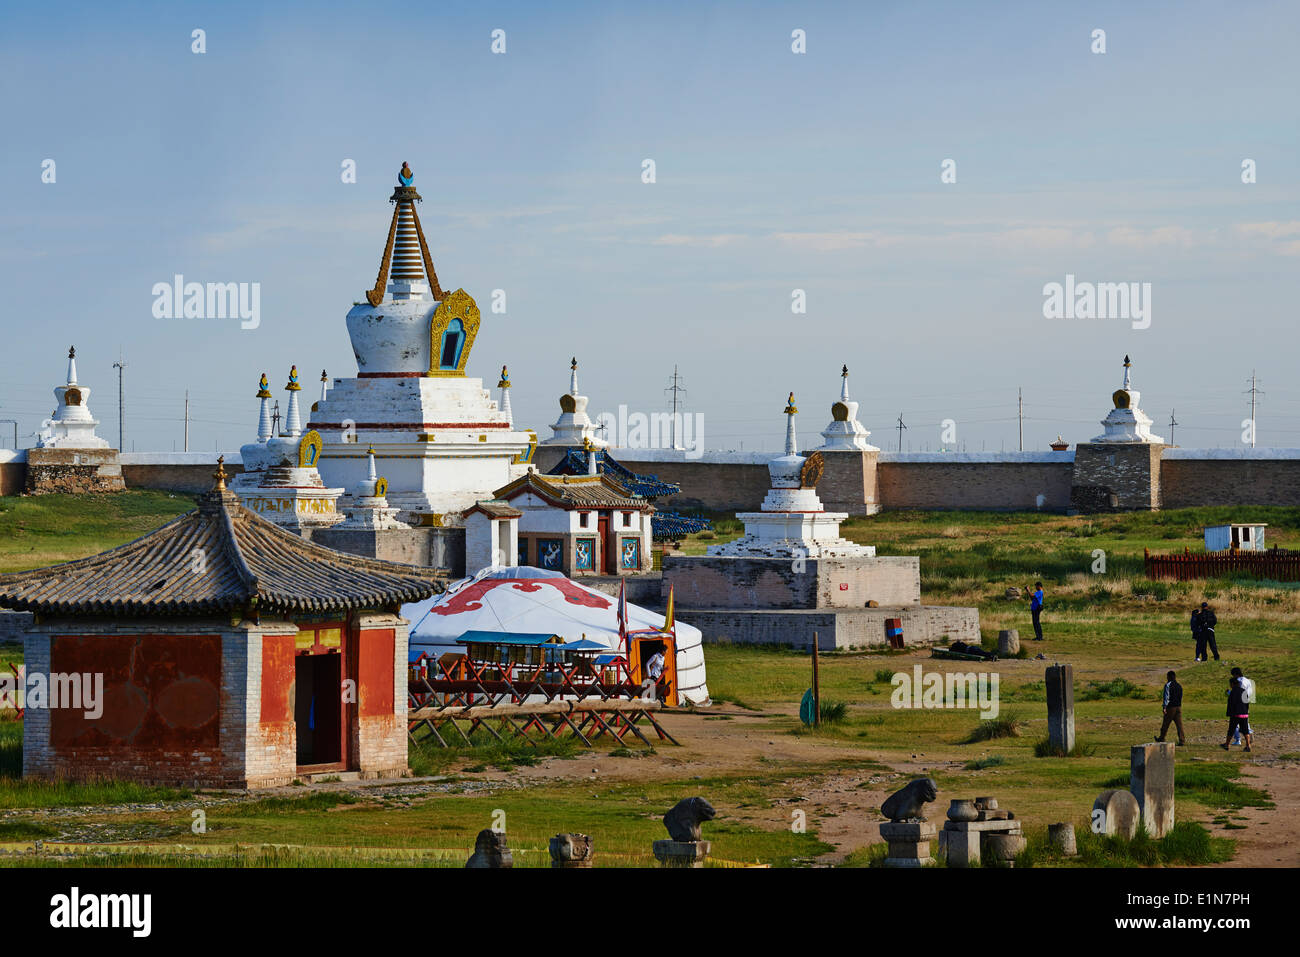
<point x="1172" y="705"/>
<point x="1247" y="695"/>
<point x="1036" y="610"/>
<point x="1238" y="714"/>
<point x="1198" y="634"/>
<point x="1208" y="621"/>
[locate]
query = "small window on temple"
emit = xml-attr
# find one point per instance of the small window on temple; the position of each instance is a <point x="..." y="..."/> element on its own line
<point x="627" y="518"/>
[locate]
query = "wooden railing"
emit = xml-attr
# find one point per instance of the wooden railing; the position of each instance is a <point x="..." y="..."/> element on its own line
<point x="1273" y="565"/>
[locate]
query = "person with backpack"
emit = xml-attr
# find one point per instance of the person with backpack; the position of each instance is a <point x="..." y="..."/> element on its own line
<point x="1247" y="695"/>
<point x="1172" y="705"/>
<point x="1198" y="634"/>
<point x="1238" y="714"/>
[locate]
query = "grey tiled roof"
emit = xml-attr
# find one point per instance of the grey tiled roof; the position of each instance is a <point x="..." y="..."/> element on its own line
<point x="221" y="557"/>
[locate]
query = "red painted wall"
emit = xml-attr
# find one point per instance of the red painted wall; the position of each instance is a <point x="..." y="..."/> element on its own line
<point x="277" y="678"/>
<point x="162" y="694"/>
<point x="375" y="671"/>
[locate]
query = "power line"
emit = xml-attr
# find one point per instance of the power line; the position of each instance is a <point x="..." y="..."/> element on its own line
<point x="1252" y="392"/>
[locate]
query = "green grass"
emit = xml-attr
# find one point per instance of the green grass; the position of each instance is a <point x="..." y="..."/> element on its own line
<point x="1213" y="785"/>
<point x="40" y="530"/>
<point x="1187" y="844"/>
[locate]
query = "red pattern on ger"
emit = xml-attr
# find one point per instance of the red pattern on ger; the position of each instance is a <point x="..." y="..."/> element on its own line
<point x="468" y="598"/>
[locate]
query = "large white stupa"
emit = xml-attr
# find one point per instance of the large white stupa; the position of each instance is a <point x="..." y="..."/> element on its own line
<point x="1126" y="422"/>
<point x="792" y="522"/>
<point x="71" y="426"/>
<point x="845" y="433"/>
<point x="438" y="436"/>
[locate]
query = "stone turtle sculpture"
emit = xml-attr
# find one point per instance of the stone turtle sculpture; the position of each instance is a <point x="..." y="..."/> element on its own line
<point x="491" y="850"/>
<point x="907" y="804"/>
<point x="684" y="819"/>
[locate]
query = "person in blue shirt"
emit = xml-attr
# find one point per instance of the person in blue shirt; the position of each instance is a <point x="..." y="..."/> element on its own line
<point x="1036" y="609"/>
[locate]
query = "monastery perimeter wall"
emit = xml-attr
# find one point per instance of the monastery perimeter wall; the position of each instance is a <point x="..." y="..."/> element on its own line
<point x="862" y="483"/>
<point x="1198" y="477"/>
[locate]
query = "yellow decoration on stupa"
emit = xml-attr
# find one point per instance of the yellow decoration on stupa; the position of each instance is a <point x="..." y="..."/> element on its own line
<point x="790" y="409"/>
<point x="264" y="388"/>
<point x="293" y="385"/>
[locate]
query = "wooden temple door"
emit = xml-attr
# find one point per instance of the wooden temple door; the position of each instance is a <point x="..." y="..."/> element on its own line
<point x="608" y="547"/>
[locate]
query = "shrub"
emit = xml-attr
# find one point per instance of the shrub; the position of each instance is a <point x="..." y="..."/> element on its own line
<point x="1006" y="726"/>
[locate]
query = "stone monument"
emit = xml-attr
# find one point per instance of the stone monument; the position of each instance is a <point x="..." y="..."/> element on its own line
<point x="1151" y="780"/>
<point x="69" y="456"/>
<point x="907" y="832"/>
<point x="1060" y="708"/>
<point x="684" y="847"/>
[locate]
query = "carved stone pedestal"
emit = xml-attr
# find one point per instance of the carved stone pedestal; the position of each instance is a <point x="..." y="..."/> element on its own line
<point x="909" y="843"/>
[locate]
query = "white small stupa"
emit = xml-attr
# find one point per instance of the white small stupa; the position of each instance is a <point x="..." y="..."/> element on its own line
<point x="369" y="506"/>
<point x="504" y="405"/>
<point x="70" y="425"/>
<point x="845" y="433"/>
<point x="792" y="523"/>
<point x="1126" y="422"/>
<point x="574" y="427"/>
<point x="280" y="480"/>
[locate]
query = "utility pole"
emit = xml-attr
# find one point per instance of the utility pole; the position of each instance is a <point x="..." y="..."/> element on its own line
<point x="673" y="390"/>
<point x="1020" y="415"/>
<point x="901" y="427"/>
<point x="187" y="420"/>
<point x="1252" y="392"/>
<point x="1172" y="423"/>
<point x="275" y="418"/>
<point x="120" y="366"/>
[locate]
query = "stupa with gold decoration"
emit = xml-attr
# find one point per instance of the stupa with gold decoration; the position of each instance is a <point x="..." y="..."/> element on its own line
<point x="440" y="439"/>
<point x="281" y="480"/>
<point x="845" y="433"/>
<point x="792" y="522"/>
<point x="574" y="427"/>
<point x="1126" y="422"/>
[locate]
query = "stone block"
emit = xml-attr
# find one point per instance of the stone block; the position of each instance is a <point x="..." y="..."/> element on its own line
<point x="1060" y="707"/>
<point x="681" y="853"/>
<point x="1151" y="780"/>
<point x="1008" y="642"/>
<point x="909" y="843"/>
<point x="1119" y="814"/>
<point x="1062" y="836"/>
<point x="572" y="850"/>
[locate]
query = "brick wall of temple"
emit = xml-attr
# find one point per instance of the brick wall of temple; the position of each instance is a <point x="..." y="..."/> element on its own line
<point x="850" y="483"/>
<point x="1123" y="476"/>
<point x="72" y="470"/>
<point x="379" y="737"/>
<point x="910" y="481"/>
<point x="1191" y="482"/>
<point x="160" y="722"/>
<point x="13" y="476"/>
<point x="721" y="486"/>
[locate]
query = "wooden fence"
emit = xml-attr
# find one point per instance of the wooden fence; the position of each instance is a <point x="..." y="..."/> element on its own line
<point x="1274" y="565"/>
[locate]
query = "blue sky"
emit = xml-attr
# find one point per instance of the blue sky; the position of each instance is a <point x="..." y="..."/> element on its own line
<point x="775" y="172"/>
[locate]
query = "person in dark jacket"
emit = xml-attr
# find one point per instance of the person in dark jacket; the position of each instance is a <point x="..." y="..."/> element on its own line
<point x="1208" y="621"/>
<point x="1238" y="713"/>
<point x="1198" y="634"/>
<point x="1172" y="705"/>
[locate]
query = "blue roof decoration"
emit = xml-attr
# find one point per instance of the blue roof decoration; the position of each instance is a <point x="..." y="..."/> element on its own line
<point x="506" y="638"/>
<point x="647" y="486"/>
<point x="675" y="525"/>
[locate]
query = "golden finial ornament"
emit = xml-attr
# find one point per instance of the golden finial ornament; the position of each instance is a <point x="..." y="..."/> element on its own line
<point x="264" y="388"/>
<point x="790" y="408"/>
<point x="220" y="474"/>
<point x="293" y="385"/>
<point x="505" y="379"/>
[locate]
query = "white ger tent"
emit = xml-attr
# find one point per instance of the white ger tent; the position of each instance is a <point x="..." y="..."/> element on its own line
<point x="527" y="599"/>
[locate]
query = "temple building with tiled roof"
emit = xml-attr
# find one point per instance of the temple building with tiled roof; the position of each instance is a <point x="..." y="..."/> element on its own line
<point x="231" y="651"/>
<point x="579" y="524"/>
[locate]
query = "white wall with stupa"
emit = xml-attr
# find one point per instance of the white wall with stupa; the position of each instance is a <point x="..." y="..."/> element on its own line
<point x="70" y="425"/>
<point x="439" y="438"/>
<point x="1126" y="422"/>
